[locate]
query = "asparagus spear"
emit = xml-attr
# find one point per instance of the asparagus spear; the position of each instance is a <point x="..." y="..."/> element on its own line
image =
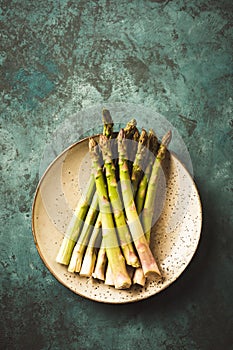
<point x="139" y="160"/>
<point x="130" y="129"/>
<point x="74" y="229"/>
<point x="150" y="195"/>
<point x="90" y="256"/>
<point x="78" y="251"/>
<point x="152" y="144"/>
<point x="131" y="133"/>
<point x="148" y="262"/>
<point x="108" y="123"/>
<point x="132" y="147"/>
<point x="152" y="185"/>
<point x="101" y="263"/>
<point x="114" y="255"/>
<point x="76" y="224"/>
<point x="109" y="277"/>
<point x="89" y="259"/>
<point x="121" y="225"/>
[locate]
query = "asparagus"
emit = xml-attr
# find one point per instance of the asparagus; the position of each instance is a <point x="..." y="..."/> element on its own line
<point x="139" y="160"/>
<point x="147" y="215"/>
<point x="152" y="144"/>
<point x="101" y="263"/>
<point x="78" y="251"/>
<point x="150" y="195"/>
<point x="130" y="129"/>
<point x="108" y="123"/>
<point x="148" y="262"/>
<point x="90" y="255"/>
<point x="109" y="277"/>
<point x="131" y="133"/>
<point x="89" y="259"/>
<point x="121" y="225"/>
<point x="132" y="146"/>
<point x="114" y="255"/>
<point x="75" y="226"/>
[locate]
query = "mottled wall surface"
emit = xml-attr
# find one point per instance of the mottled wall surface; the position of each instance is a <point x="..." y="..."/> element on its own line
<point x="59" y="57"/>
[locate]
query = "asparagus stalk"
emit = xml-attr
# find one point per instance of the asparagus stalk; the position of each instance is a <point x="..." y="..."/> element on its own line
<point x="139" y="161"/>
<point x="147" y="215"/>
<point x="109" y="277"/>
<point x="101" y="263"/>
<point x="114" y="196"/>
<point x="148" y="262"/>
<point x="131" y="133"/>
<point x="109" y="280"/>
<point x="152" y="144"/>
<point x="89" y="259"/>
<point x="76" y="224"/>
<point x="114" y="255"/>
<point x="108" y="123"/>
<point x="78" y="251"/>
<point x="132" y="147"/>
<point x="150" y="195"/>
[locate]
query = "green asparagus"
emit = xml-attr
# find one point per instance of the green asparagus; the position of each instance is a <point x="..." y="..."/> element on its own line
<point x="152" y="145"/>
<point x="147" y="260"/>
<point x="74" y="229"/>
<point x="147" y="215"/>
<point x="114" y="255"/>
<point x="78" y="251"/>
<point x="101" y="263"/>
<point x="76" y="224"/>
<point x="150" y="195"/>
<point x="139" y="161"/>
<point x="89" y="259"/>
<point x="121" y="225"/>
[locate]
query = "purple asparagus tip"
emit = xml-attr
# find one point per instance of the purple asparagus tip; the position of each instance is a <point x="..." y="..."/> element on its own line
<point x="167" y="138"/>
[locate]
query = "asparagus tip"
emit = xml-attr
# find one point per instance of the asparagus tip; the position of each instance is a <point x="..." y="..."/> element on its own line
<point x="132" y="122"/>
<point x="121" y="134"/>
<point x="130" y="129"/>
<point x="103" y="140"/>
<point x="152" y="141"/>
<point x="151" y="132"/>
<point x="136" y="135"/>
<point x="143" y="137"/>
<point x="108" y="123"/>
<point x="167" y="138"/>
<point x="106" y="116"/>
<point x="92" y="143"/>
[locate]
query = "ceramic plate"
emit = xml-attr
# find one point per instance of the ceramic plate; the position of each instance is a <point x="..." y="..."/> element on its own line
<point x="175" y="235"/>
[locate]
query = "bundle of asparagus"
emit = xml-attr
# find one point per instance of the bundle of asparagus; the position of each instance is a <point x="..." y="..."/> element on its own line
<point x="109" y="235"/>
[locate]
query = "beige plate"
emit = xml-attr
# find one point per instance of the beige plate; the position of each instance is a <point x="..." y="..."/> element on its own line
<point x="177" y="230"/>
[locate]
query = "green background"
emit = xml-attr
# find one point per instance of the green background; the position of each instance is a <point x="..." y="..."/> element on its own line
<point x="60" y="57"/>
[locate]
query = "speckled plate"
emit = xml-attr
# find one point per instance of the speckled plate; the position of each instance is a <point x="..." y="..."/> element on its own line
<point x="174" y="244"/>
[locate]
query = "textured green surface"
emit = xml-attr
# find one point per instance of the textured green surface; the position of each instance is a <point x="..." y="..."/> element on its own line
<point x="58" y="57"/>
